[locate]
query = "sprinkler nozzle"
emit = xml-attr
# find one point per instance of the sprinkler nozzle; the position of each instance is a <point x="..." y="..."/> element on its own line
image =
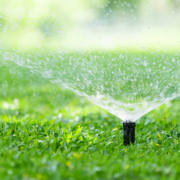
<point x="129" y="132"/>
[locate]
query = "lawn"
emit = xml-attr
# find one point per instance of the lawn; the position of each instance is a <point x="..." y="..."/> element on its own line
<point x="47" y="132"/>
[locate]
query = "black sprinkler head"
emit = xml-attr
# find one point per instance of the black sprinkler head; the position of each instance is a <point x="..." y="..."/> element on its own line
<point x="129" y="132"/>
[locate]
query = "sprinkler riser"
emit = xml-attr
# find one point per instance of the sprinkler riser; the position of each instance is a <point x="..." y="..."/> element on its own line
<point x="129" y="132"/>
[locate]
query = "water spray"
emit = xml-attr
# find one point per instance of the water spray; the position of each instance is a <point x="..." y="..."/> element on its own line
<point x="129" y="132"/>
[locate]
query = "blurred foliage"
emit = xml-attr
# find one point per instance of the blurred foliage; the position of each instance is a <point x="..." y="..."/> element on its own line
<point x="120" y="6"/>
<point x="32" y="23"/>
<point x="19" y="13"/>
<point x="175" y="3"/>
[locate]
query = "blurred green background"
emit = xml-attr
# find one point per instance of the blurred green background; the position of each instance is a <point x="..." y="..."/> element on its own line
<point x="100" y="24"/>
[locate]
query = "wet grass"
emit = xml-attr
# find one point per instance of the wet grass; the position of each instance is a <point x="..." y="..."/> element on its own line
<point x="50" y="133"/>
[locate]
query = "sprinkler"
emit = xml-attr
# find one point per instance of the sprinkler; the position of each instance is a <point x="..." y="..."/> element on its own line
<point x="129" y="132"/>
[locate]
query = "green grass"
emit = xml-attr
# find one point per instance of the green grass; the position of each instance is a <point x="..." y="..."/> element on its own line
<point x="47" y="132"/>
